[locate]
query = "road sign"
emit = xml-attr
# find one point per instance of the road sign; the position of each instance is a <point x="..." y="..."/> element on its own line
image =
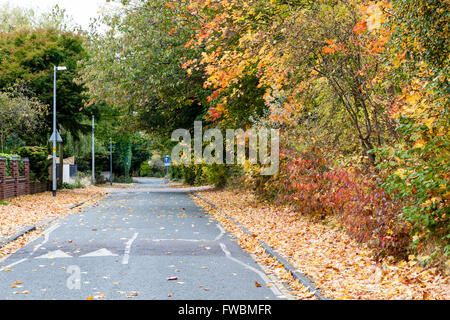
<point x="58" y="137"/>
<point x="167" y="162"/>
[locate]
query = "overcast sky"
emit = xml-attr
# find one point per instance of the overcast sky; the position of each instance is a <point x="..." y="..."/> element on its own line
<point x="81" y="10"/>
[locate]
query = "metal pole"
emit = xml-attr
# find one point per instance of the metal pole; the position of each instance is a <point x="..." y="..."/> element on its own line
<point x="54" y="134"/>
<point x="167" y="169"/>
<point x="110" y="162"/>
<point x="93" y="153"/>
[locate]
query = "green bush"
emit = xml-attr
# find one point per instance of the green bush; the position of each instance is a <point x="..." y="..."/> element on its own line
<point x="72" y="186"/>
<point x="39" y="162"/>
<point x="8" y="162"/>
<point x="123" y="179"/>
<point x="175" y="173"/>
<point x="145" y="169"/>
<point x="191" y="174"/>
<point x="216" y="175"/>
<point x="158" y="174"/>
<point x="152" y="171"/>
<point x="419" y="176"/>
<point x="200" y="174"/>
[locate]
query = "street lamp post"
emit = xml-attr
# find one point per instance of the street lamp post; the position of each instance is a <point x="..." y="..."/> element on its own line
<point x="55" y="68"/>
<point x="93" y="151"/>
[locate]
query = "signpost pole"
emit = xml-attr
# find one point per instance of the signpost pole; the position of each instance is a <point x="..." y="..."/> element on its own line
<point x="110" y="162"/>
<point x="54" y="135"/>
<point x="167" y="164"/>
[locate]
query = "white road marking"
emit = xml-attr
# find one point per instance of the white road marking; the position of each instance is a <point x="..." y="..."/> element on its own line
<point x="187" y="240"/>
<point x="46" y="234"/>
<point x="263" y="276"/>
<point x="13" y="264"/>
<point x="222" y="232"/>
<point x="99" y="253"/>
<point x="54" y="254"/>
<point x="126" y="255"/>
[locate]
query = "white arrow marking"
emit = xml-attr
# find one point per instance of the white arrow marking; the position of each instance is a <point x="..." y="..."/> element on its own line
<point x="99" y="253"/>
<point x="54" y="254"/>
<point x="46" y="236"/>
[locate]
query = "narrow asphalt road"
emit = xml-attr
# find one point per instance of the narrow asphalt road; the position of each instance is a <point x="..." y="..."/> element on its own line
<point x="145" y="242"/>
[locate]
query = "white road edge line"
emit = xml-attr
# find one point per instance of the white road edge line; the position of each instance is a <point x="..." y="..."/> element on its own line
<point x="46" y="234"/>
<point x="176" y="239"/>
<point x="13" y="264"/>
<point x="222" y="232"/>
<point x="126" y="255"/>
<point x="263" y="276"/>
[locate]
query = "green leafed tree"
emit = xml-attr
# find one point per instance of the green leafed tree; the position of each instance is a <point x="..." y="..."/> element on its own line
<point x="136" y="66"/>
<point x="18" y="113"/>
<point x="27" y="57"/>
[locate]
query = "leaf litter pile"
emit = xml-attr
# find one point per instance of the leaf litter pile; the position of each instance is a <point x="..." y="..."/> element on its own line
<point x="339" y="267"/>
<point x="30" y="210"/>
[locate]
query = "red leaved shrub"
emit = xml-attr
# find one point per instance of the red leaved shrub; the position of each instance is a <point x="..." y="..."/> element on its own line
<point x="368" y="214"/>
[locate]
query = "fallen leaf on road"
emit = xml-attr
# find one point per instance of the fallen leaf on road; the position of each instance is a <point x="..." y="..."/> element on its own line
<point x="90" y="298"/>
<point x="341" y="267"/>
<point x="172" y="278"/>
<point x="132" y="294"/>
<point x="257" y="284"/>
<point x="28" y="210"/>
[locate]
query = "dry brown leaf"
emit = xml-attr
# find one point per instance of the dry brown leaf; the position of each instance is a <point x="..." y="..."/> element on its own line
<point x="342" y="268"/>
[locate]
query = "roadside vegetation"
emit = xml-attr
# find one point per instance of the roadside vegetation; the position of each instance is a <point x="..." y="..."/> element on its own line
<point x="358" y="89"/>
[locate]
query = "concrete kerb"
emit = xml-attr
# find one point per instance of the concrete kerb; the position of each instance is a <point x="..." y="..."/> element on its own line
<point x="41" y="224"/>
<point x="304" y="280"/>
<point x="83" y="202"/>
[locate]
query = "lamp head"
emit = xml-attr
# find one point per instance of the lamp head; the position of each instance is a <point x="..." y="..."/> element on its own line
<point x="61" y="68"/>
